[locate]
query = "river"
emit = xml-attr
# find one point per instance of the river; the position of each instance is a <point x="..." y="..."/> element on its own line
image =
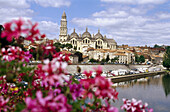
<point x="153" y="90"/>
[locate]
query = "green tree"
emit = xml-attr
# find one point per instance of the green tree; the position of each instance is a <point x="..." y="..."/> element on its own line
<point x="93" y="60"/>
<point x="62" y="46"/>
<point x="69" y="46"/>
<point x="156" y="46"/>
<point x="103" y="60"/>
<point x="137" y="58"/>
<point x="141" y="59"/>
<point x="114" y="59"/>
<point x="107" y="58"/>
<point x="57" y="46"/>
<point x="166" y="59"/>
<point x="80" y="56"/>
<point x="75" y="48"/>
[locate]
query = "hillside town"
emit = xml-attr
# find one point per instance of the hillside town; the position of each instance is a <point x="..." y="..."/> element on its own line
<point x="96" y="48"/>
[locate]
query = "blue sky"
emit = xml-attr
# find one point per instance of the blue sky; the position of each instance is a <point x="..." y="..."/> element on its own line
<point x="133" y="22"/>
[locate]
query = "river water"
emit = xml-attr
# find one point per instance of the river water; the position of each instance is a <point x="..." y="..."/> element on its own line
<point x="153" y="90"/>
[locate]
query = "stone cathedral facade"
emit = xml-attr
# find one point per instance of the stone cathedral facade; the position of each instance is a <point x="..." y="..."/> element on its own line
<point x="84" y="41"/>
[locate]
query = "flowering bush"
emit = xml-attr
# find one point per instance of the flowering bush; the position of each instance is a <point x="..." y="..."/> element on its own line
<point x="47" y="86"/>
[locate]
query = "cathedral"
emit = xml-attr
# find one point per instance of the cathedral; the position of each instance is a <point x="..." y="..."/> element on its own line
<point x="84" y="41"/>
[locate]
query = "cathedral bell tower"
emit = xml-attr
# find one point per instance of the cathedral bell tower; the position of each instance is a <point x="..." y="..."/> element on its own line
<point x="63" y="28"/>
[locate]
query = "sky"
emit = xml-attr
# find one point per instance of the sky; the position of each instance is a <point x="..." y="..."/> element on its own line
<point x="132" y="22"/>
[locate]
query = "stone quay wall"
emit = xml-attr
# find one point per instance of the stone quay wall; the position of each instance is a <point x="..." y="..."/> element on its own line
<point x="107" y="67"/>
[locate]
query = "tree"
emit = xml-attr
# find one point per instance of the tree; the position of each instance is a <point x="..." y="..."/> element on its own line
<point x="103" y="60"/>
<point x="141" y="59"/>
<point x="114" y="59"/>
<point x="93" y="60"/>
<point x="68" y="46"/>
<point x="137" y="58"/>
<point x="166" y="60"/>
<point x="80" y="56"/>
<point x="62" y="46"/>
<point x="107" y="58"/>
<point x="57" y="46"/>
<point x="156" y="46"/>
<point x="75" y="48"/>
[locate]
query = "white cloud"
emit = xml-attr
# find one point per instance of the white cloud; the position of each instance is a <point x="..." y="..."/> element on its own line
<point x="53" y="3"/>
<point x="51" y="29"/>
<point x="7" y="14"/>
<point x="134" y="28"/>
<point x="163" y="15"/>
<point x="135" y="1"/>
<point x="14" y="4"/>
<point x="111" y="13"/>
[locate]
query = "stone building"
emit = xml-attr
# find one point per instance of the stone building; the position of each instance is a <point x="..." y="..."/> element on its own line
<point x="84" y="41"/>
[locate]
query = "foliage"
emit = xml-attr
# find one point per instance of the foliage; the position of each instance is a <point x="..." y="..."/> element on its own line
<point x="69" y="46"/>
<point x="93" y="60"/>
<point x="137" y="58"/>
<point x="166" y="60"/>
<point x="107" y="58"/>
<point x="157" y="46"/>
<point x="103" y="60"/>
<point x="114" y="59"/>
<point x="47" y="86"/>
<point x="141" y="59"/>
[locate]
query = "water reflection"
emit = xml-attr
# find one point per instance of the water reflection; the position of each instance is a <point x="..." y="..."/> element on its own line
<point x="153" y="90"/>
<point x="166" y="84"/>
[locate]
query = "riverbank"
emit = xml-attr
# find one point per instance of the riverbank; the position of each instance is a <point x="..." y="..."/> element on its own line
<point x="123" y="78"/>
<point x="73" y="68"/>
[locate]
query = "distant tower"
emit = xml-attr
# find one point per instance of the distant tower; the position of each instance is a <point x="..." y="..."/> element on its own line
<point x="63" y="28"/>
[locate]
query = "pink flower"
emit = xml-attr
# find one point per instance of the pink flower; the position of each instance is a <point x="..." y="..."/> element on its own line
<point x="48" y="103"/>
<point x="53" y="71"/>
<point x="13" y="53"/>
<point x="88" y="74"/>
<point x="17" y="28"/>
<point x="135" y="106"/>
<point x="3" y="102"/>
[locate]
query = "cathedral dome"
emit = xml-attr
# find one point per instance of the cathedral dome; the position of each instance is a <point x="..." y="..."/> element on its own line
<point x="74" y="34"/>
<point x="86" y="34"/>
<point x="98" y="35"/>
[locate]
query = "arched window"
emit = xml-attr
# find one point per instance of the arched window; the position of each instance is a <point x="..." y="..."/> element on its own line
<point x="98" y="42"/>
<point x="83" y="41"/>
<point x="86" y="40"/>
<point x="73" y="41"/>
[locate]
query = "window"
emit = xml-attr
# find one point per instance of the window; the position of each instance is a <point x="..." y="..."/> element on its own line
<point x="86" y="40"/>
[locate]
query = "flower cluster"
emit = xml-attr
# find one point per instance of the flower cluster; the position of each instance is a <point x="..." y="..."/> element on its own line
<point x="98" y="88"/>
<point x="15" y="53"/>
<point x="101" y="86"/>
<point x="135" y="106"/>
<point x="17" y="28"/>
<point x="53" y="71"/>
<point x="48" y="103"/>
<point x="3" y="102"/>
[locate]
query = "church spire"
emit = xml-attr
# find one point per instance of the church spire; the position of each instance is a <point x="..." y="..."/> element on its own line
<point x="64" y="15"/>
